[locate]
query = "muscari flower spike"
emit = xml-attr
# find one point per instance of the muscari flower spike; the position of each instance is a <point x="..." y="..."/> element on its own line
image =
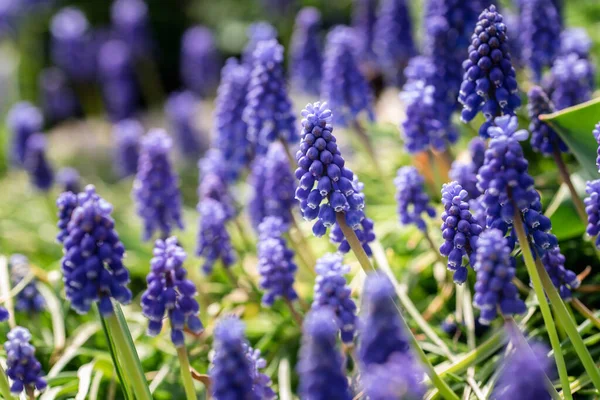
<point x="268" y="110"/>
<point x="23" y="369"/>
<point x="343" y="86"/>
<point x="257" y="32"/>
<point x="69" y="180"/>
<point x="495" y="268"/>
<point x="213" y="241"/>
<point x="261" y="382"/>
<point x="320" y="365"/>
<point x="575" y="40"/>
<point x="465" y="172"/>
<point x="459" y="230"/>
<point x="332" y="292"/>
<point x="28" y="300"/>
<point x="59" y="100"/>
<point x="273" y="187"/>
<point x="563" y="279"/>
<point x="156" y="186"/>
<point x="23" y="120"/>
<point x="596" y="133"/>
<point x="305" y="52"/>
<point x="170" y="293"/>
<point x="92" y="266"/>
<point x="213" y="181"/>
<point x="489" y="83"/>
<point x="131" y="20"/>
<point x="36" y="162"/>
<point x="200" y="61"/>
<point x="543" y="137"/>
<point x="592" y="208"/>
<point x="364" y="17"/>
<point x="541" y="26"/>
<point x="411" y="197"/>
<point x="230" y="128"/>
<point x="275" y="261"/>
<point x="127" y="135"/>
<point x="66" y="203"/>
<point x="181" y="109"/>
<point x="571" y="80"/>
<point x="398" y="378"/>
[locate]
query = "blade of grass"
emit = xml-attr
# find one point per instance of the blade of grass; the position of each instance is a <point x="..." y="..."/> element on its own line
<point x="127" y="391"/>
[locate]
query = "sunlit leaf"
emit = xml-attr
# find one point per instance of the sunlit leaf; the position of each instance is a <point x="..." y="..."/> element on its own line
<point x="85" y="380"/>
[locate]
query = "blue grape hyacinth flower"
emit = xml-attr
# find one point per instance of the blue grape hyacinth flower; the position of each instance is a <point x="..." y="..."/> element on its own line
<point x="541" y="26"/>
<point x="596" y="133"/>
<point x="213" y="242"/>
<point x="23" y="120"/>
<point x="181" y="109"/>
<point x="170" y="293"/>
<point x="213" y="181"/>
<point x="398" y="378"/>
<point x="66" y="203"/>
<point x="592" y="208"/>
<point x="306" y="52"/>
<point x="69" y="180"/>
<point x="544" y="138"/>
<point x="59" y="100"/>
<point x="571" y="80"/>
<point x="261" y="382"/>
<point x="364" y="17"/>
<point x="29" y="300"/>
<point x="256" y="33"/>
<point x="127" y="135"/>
<point x="132" y="25"/>
<point x="565" y="280"/>
<point x="23" y="369"/>
<point x="575" y="40"/>
<point x="36" y="163"/>
<point x="411" y="197"/>
<point x="465" y="171"/>
<point x="200" y="61"/>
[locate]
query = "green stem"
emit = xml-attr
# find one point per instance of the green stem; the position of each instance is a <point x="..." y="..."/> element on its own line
<point x="4" y="385"/>
<point x="566" y="178"/>
<point x="186" y="375"/>
<point x="586" y="312"/>
<point x="544" y="307"/>
<point x="479" y="354"/>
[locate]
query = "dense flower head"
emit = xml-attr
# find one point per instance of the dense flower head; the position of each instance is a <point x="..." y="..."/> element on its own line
<point x="495" y="268"/>
<point x="23" y="120"/>
<point x="411" y="197"/>
<point x="523" y="374"/>
<point x="459" y="230"/>
<point x="229" y="126"/>
<point x="543" y="137"/>
<point x="465" y="172"/>
<point x="29" y="299"/>
<point x="596" y="133"/>
<point x="320" y="364"/>
<point x="92" y="266"/>
<point x="273" y="187"/>
<point x="131" y="21"/>
<point x="59" y="100"/>
<point x="69" y="180"/>
<point x="364" y="17"/>
<point x="575" y="40"/>
<point x="393" y="43"/>
<point x="213" y="242"/>
<point x="343" y="86"/>
<point x="332" y="292"/>
<point x="231" y="372"/>
<point x="592" y="208"/>
<point x="400" y="377"/>
<point x="200" y="60"/>
<point x="23" y="369"/>
<point x="181" y="109"/>
<point x="261" y="382"/>
<point x="305" y="52"/>
<point x="540" y="26"/>
<point x="170" y="293"/>
<point x="36" y="163"/>
<point x="257" y="32"/>
<point x="381" y="329"/>
<point x="66" y="203"/>
<point x="213" y="181"/>
<point x="489" y="83"/>
<point x="156" y="186"/>
<point x="325" y="185"/>
<point x="571" y="80"/>
<point x="127" y="135"/>
<point x="268" y="110"/>
<point x="563" y="279"/>
<point x="275" y="261"/>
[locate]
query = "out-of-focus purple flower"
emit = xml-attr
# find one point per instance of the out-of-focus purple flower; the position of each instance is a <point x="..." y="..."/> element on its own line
<point x="411" y="197"/>
<point x="465" y="172"/>
<point x="156" y="186"/>
<point x="200" y="61"/>
<point x="170" y="293"/>
<point x="364" y="16"/>
<point x="66" y="203"/>
<point x="495" y="268"/>
<point x="540" y="27"/>
<point x="23" y="120"/>
<point x="261" y="382"/>
<point x="275" y="261"/>
<point x="36" y="162"/>
<point x="575" y="40"/>
<point x="400" y="377"/>
<point x="305" y="52"/>
<point x="58" y="98"/>
<point x="120" y="90"/>
<point x="512" y="20"/>
<point x="320" y="364"/>
<point x="571" y="80"/>
<point x="23" y="369"/>
<point x="543" y="138"/>
<point x="332" y="292"/>
<point x="214" y="242"/>
<point x="393" y="41"/>
<point x="273" y="187"/>
<point x="181" y="109"/>
<point x="127" y="135"/>
<point x="596" y="133"/>
<point x="92" y="265"/>
<point x="257" y="32"/>
<point x="563" y="279"/>
<point x="29" y="300"/>
<point x="279" y="8"/>
<point x="592" y="208"/>
<point x="489" y="83"/>
<point x="10" y="13"/>
<point x="131" y="20"/>
<point x="230" y="128"/>
<point x="69" y="180"/>
<point x="343" y="86"/>
<point x="268" y="111"/>
<point x="213" y="181"/>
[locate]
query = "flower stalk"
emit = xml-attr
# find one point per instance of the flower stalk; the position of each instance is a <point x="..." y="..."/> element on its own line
<point x="186" y="375"/>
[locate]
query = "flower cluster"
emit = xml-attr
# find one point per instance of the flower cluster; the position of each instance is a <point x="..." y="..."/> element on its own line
<point x="66" y="203"/>
<point x="261" y="383"/>
<point x="69" y="180"/>
<point x="571" y="81"/>
<point x="275" y="261"/>
<point x="181" y="109"/>
<point x="575" y="40"/>
<point x="459" y="230"/>
<point x="268" y="111"/>
<point x="489" y="83"/>
<point x="92" y="266"/>
<point x="411" y="197"/>
<point x="465" y="172"/>
<point x="343" y="86"/>
<point x="170" y="293"/>
<point x="24" y="370"/>
<point x="28" y="300"/>
<point x="200" y="62"/>
<point x="543" y="138"/>
<point x="59" y="100"/>
<point x="400" y="377"/>
<point x="364" y="17"/>
<point x="331" y="291"/>
<point x="563" y="279"/>
<point x="305" y="52"/>
<point x="213" y="181"/>
<point x="320" y="364"/>
<point x="23" y="120"/>
<point x="131" y="20"/>
<point x="214" y="242"/>
<point x="257" y="32"/>
<point x="541" y="26"/>
<point x="36" y="163"/>
<point x="156" y="186"/>
<point x="230" y="128"/>
<point x="127" y="135"/>
<point x="495" y="269"/>
<point x="273" y="184"/>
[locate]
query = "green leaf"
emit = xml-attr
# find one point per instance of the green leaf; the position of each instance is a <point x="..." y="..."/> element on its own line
<point x="574" y="125"/>
<point x="85" y="379"/>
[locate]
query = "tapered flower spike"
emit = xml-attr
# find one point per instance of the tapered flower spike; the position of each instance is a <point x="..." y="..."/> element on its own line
<point x="131" y="20"/>
<point x="571" y="80"/>
<point x="214" y="242"/>
<point x="364" y="17"/>
<point x="69" y="180"/>
<point x="575" y="40"/>
<point x="257" y="32"/>
<point x="261" y="382"/>
<point x="23" y="369"/>
<point x="411" y="197"/>
<point x="305" y="52"/>
<point x="181" y="109"/>
<point x="200" y="61"/>
<point x="36" y="162"/>
<point x="29" y="300"/>
<point x="541" y="26"/>
<point x="156" y="186"/>
<point x="320" y="364"/>
<point x="127" y="135"/>
<point x="592" y="208"/>
<point x="465" y="172"/>
<point x="596" y="133"/>
<point x="59" y="100"/>
<point x="213" y="181"/>
<point x="23" y="120"/>
<point x="543" y="137"/>
<point x="66" y="203"/>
